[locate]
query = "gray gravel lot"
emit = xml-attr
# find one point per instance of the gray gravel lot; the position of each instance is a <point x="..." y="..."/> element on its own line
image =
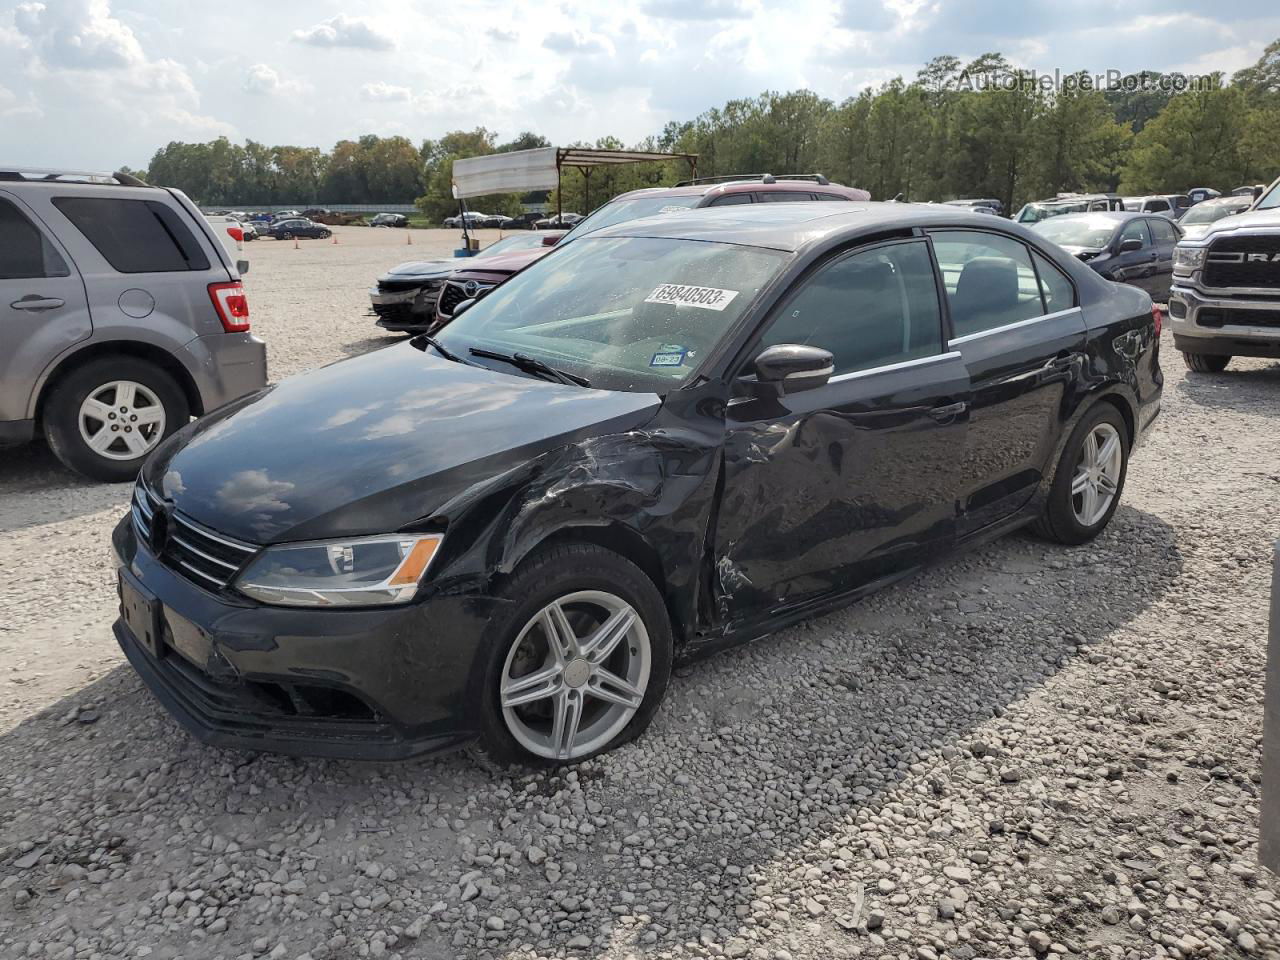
<point x="1027" y="750"/>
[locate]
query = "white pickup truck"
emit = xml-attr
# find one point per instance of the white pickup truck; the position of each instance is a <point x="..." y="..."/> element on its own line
<point x="1225" y="298"/>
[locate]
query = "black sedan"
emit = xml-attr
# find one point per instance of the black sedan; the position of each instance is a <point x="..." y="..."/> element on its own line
<point x="292" y="227"/>
<point x="1134" y="248"/>
<point x="672" y="435"/>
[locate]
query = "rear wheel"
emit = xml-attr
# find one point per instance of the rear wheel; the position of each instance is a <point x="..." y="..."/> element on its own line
<point x="1089" y="479"/>
<point x="1205" y="362"/>
<point x="580" y="661"/>
<point x="103" y="419"/>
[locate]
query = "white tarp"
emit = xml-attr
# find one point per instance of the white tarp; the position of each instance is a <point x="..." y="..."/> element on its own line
<point x="517" y="172"/>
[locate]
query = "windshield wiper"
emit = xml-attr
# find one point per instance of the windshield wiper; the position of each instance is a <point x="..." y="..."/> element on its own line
<point x="440" y="349"/>
<point x="532" y="365"/>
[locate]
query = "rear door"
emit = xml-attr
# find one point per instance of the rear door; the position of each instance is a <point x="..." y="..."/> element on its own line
<point x="43" y="307"/>
<point x="1164" y="237"/>
<point x="1015" y="323"/>
<point x="833" y="487"/>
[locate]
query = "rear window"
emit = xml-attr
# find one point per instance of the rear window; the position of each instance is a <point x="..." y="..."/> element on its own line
<point x="135" y="236"/>
<point x="25" y="253"/>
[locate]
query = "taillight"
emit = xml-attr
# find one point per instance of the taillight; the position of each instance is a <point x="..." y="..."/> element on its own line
<point x="232" y="305"/>
<point x="1157" y="316"/>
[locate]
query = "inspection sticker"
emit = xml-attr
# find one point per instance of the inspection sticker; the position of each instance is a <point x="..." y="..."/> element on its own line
<point x="669" y="355"/>
<point x="678" y="294"/>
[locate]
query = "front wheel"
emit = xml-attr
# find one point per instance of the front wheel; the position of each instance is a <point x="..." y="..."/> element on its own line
<point x="1089" y="480"/>
<point x="579" y="662"/>
<point x="1205" y="362"/>
<point x="103" y="419"/>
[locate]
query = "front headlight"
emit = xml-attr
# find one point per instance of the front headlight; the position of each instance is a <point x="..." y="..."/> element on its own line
<point x="1186" y="259"/>
<point x="359" y="571"/>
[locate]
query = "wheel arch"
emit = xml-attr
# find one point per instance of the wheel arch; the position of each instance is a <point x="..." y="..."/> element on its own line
<point x="134" y="349"/>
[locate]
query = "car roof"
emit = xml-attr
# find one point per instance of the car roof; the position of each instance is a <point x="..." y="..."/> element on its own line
<point x="789" y="227"/>
<point x="1227" y="201"/>
<point x="738" y="186"/>
<point x="1116" y="216"/>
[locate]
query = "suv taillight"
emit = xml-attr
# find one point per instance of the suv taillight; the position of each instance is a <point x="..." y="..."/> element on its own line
<point x="1157" y="316"/>
<point x="232" y="305"/>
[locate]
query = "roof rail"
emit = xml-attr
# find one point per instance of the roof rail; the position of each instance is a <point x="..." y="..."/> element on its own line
<point x="754" y="177"/>
<point x="69" y="176"/>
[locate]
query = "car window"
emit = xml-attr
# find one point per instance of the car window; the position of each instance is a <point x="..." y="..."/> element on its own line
<point x="731" y="198"/>
<point x="988" y="278"/>
<point x="1057" y="290"/>
<point x="1135" y="230"/>
<point x="783" y="196"/>
<point x="1099" y="205"/>
<point x="135" y="236"/>
<point x="25" y="252"/>
<point x="1157" y="205"/>
<point x="1163" y="231"/>
<point x="830" y="196"/>
<point x="871" y="308"/>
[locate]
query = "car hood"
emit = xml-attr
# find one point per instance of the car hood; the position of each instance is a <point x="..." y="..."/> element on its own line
<point x="1195" y="231"/>
<point x="372" y="444"/>
<point x="1246" y="221"/>
<point x="420" y="268"/>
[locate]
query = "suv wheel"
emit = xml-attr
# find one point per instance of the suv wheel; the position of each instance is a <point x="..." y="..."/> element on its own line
<point x="106" y="417"/>
<point x="1089" y="479"/>
<point x="578" y="662"/>
<point x="1205" y="362"/>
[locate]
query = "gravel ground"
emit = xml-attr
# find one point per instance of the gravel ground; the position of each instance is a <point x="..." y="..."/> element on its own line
<point x="1027" y="750"/>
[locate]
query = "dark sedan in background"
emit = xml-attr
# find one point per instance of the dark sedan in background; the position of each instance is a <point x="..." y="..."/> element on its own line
<point x="672" y="435"/>
<point x="1135" y="248"/>
<point x="292" y="227"/>
<point x="405" y="298"/>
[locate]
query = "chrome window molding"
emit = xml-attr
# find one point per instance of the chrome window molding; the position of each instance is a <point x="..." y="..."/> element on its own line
<point x="900" y="365"/>
<point x="1056" y="315"/>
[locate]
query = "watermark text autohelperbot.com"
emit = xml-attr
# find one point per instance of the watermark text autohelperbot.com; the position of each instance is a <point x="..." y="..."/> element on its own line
<point x="1108" y="81"/>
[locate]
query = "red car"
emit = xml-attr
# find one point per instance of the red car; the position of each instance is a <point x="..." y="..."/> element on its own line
<point x="467" y="283"/>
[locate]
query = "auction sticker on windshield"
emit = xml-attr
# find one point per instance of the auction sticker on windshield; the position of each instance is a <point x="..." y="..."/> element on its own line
<point x="678" y="294"/>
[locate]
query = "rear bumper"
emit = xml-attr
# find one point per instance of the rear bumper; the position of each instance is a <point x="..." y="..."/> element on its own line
<point x="375" y="684"/>
<point x="227" y="366"/>
<point x="1223" y="326"/>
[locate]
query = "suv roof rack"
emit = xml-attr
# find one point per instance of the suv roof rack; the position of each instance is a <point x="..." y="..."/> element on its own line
<point x="755" y="177"/>
<point x="69" y="176"/>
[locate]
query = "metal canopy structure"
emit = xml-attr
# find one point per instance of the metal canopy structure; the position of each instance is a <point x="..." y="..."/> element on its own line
<point x="543" y="168"/>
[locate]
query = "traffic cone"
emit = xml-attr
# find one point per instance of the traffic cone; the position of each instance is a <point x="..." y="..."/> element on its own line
<point x="295" y="243"/>
<point x="335" y="238"/>
<point x="408" y="238"/>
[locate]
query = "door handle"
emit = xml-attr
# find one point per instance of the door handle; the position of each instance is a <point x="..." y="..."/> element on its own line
<point x="948" y="412"/>
<point x="35" y="302"/>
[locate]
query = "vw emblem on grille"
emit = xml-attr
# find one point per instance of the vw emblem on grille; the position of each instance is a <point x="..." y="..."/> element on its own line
<point x="470" y="288"/>
<point x="158" y="535"/>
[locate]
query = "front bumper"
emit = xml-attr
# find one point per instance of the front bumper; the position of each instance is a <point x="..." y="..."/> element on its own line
<point x="405" y="310"/>
<point x="375" y="684"/>
<point x="1237" y="325"/>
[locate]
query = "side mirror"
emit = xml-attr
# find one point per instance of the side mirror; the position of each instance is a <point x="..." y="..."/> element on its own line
<point x="792" y="367"/>
<point x="1130" y="245"/>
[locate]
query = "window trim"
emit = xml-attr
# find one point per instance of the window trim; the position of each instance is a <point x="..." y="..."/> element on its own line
<point x="897" y="365"/>
<point x="750" y="347"/>
<point x="1011" y="326"/>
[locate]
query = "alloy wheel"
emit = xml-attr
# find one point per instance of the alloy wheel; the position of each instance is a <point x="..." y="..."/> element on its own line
<point x="121" y="420"/>
<point x="575" y="675"/>
<point x="1097" y="477"/>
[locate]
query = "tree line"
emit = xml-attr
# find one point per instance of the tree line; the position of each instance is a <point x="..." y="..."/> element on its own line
<point x="950" y="132"/>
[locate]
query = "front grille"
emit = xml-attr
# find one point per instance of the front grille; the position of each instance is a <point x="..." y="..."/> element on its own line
<point x="1229" y="262"/>
<point x="1209" y="317"/>
<point x="454" y="293"/>
<point x="208" y="558"/>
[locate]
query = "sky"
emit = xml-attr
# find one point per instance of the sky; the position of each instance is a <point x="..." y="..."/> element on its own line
<point x="98" y="84"/>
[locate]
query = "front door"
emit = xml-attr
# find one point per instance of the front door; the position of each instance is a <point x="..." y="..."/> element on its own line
<point x="841" y="485"/>
<point x="43" y="307"/>
<point x="1016" y="325"/>
<point x="1137" y="267"/>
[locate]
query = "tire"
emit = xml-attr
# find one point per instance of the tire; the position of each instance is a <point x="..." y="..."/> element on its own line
<point x="582" y="576"/>
<point x="70" y="399"/>
<point x="1205" y="362"/>
<point x="326" y="234"/>
<point x="1067" y="517"/>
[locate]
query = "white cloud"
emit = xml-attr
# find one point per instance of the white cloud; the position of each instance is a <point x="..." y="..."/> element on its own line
<point x="344" y="31"/>
<point x="575" y="42"/>
<point x="78" y="34"/>
<point x="380" y="92"/>
<point x="13" y="106"/>
<point x="266" y="81"/>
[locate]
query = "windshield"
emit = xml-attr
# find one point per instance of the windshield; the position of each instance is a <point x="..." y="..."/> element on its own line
<point x="508" y="244"/>
<point x="1077" y="231"/>
<point x="620" y="211"/>
<point x="1270" y="199"/>
<point x="1035" y="212"/>
<point x="1211" y="212"/>
<point x="628" y="313"/>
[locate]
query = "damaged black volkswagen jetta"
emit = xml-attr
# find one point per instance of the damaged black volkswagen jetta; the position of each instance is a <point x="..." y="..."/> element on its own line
<point x="673" y="435"/>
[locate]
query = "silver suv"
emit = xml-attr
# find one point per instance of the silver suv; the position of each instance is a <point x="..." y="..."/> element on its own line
<point x="121" y="317"/>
